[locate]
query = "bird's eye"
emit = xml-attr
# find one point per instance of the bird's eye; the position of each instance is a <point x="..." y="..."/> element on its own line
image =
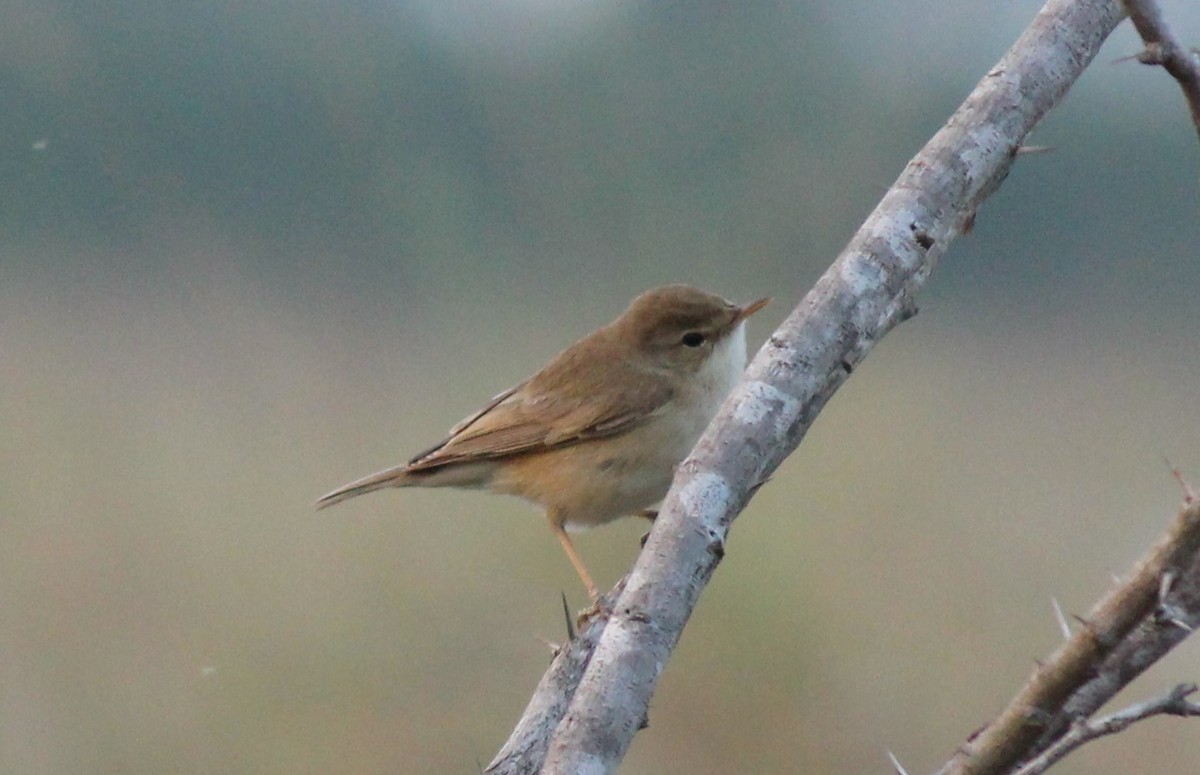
<point x="692" y="339"/>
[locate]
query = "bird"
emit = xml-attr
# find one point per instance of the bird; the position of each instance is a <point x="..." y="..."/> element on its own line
<point x="597" y="433"/>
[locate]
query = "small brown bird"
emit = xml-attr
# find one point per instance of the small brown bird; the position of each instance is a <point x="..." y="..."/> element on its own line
<point x="597" y="433"/>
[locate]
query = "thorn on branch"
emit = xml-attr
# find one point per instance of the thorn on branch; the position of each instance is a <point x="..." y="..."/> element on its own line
<point x="1087" y="625"/>
<point x="1189" y="494"/>
<point x="896" y="764"/>
<point x="754" y="488"/>
<point x="1165" y="583"/>
<point x="1169" y="612"/>
<point x="567" y="615"/>
<point x="1063" y="625"/>
<point x="1181" y="624"/>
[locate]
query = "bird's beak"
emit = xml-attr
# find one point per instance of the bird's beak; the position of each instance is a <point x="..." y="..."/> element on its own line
<point x="750" y="309"/>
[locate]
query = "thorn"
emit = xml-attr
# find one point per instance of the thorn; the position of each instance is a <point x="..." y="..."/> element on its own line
<point x="567" y="614"/>
<point x="1164" y="586"/>
<point x="1063" y="626"/>
<point x="896" y="763"/>
<point x="1115" y="578"/>
<point x="1181" y="624"/>
<point x="758" y="486"/>
<point x="1034" y="150"/>
<point x="1189" y="494"/>
<point x="1183" y="691"/>
<point x="1086" y="624"/>
<point x="554" y="647"/>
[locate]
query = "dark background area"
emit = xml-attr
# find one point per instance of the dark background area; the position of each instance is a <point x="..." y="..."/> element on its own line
<point x="249" y="252"/>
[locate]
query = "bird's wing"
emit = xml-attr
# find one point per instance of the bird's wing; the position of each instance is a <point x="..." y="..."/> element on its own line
<point x="546" y="411"/>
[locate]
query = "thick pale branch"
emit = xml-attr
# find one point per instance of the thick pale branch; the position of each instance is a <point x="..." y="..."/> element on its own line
<point x="1164" y="48"/>
<point x="869" y="289"/>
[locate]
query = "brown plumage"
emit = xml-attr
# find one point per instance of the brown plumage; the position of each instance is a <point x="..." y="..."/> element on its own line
<point x="597" y="432"/>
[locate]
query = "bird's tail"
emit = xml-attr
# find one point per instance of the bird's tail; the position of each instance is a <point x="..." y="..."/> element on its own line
<point x="397" y="476"/>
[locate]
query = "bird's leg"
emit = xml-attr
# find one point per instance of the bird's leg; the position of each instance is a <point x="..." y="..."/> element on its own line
<point x="573" y="556"/>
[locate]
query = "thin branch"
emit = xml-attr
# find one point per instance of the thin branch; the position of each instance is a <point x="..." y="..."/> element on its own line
<point x="1173" y="617"/>
<point x="1171" y="703"/>
<point x="870" y="289"/>
<point x="1163" y="48"/>
<point x="1038" y="707"/>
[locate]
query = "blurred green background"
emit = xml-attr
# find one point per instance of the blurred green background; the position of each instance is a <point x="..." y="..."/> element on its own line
<point x="250" y="251"/>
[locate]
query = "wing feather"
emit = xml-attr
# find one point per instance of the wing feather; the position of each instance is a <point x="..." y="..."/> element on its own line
<point x="556" y="407"/>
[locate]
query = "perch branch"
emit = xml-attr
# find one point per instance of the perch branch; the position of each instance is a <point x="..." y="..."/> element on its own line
<point x="869" y="289"/>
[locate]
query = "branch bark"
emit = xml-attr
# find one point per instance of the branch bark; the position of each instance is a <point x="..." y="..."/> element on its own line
<point x="1163" y="48"/>
<point x="869" y="289"/>
<point x="525" y="749"/>
<point x="1127" y="631"/>
<point x="1171" y="703"/>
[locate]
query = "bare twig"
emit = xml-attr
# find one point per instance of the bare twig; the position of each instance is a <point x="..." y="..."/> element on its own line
<point x="1171" y="703"/>
<point x="1163" y="48"/>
